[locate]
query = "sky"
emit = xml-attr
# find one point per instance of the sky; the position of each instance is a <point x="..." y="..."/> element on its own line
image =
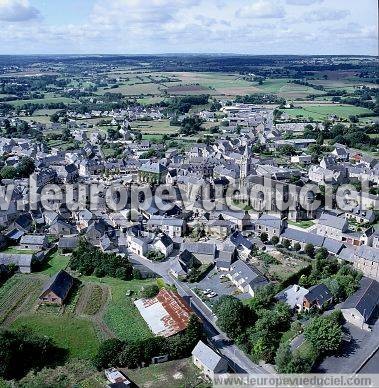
<point x="257" y="27"/>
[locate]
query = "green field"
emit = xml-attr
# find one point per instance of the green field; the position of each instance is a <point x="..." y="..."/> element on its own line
<point x="55" y="263"/>
<point x="322" y="112"/>
<point x="76" y="335"/>
<point x="46" y="100"/>
<point x="302" y="224"/>
<point x="155" y="127"/>
<point x="121" y="316"/>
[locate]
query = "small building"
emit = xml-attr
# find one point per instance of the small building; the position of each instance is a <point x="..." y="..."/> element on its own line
<point x="68" y="243"/>
<point x="35" y="242"/>
<point x="318" y="296"/>
<point x="360" y="307"/>
<point x="116" y="378"/>
<point x="57" y="288"/>
<point x="208" y="361"/>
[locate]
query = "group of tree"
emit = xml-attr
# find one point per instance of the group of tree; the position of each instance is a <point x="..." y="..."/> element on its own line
<point x="260" y="99"/>
<point x="23" y="169"/>
<point x="22" y="350"/>
<point x="191" y="126"/>
<point x="181" y="105"/>
<point x="90" y="260"/>
<point x="117" y="353"/>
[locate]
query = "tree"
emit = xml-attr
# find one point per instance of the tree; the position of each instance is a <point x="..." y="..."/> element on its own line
<point x="286" y="243"/>
<point x="108" y="353"/>
<point x="274" y="240"/>
<point x="287" y="150"/>
<point x="27" y="351"/>
<point x="54" y="118"/>
<point x="325" y="333"/>
<point x="264" y="237"/>
<point x="150" y="291"/>
<point x="309" y="249"/>
<point x="297" y="247"/>
<point x="322" y="254"/>
<point x="231" y="315"/>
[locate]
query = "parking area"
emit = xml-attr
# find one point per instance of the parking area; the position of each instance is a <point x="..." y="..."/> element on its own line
<point x="219" y="286"/>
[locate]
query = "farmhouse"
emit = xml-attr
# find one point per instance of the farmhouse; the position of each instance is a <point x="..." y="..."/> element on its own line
<point x="166" y="314"/>
<point x="318" y="296"/>
<point x="22" y="261"/>
<point x="57" y="288"/>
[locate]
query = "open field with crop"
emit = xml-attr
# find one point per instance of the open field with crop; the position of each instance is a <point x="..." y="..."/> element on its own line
<point x="45" y="100"/>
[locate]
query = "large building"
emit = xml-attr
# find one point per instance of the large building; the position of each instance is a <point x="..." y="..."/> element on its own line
<point x="166" y="314"/>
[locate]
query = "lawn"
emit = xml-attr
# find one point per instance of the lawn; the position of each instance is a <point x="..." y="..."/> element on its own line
<point x="55" y="263"/>
<point x="321" y="112"/>
<point x="76" y="335"/>
<point x="121" y="316"/>
<point x="19" y="251"/>
<point x="302" y="224"/>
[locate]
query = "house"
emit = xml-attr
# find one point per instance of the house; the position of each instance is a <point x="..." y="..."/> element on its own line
<point x="116" y="378"/>
<point x="360" y="215"/>
<point x="174" y="227"/>
<point x="138" y="245"/>
<point x="68" y="243"/>
<point x="269" y="224"/>
<point x="204" y="252"/>
<point x="152" y="172"/>
<point x="318" y="296"/>
<point x="219" y="228"/>
<point x="246" y="278"/>
<point x="60" y="227"/>
<point x="208" y="361"/>
<point x="163" y="244"/>
<point x="35" y="242"/>
<point x="22" y="261"/>
<point x="366" y="260"/>
<point x="301" y="159"/>
<point x="226" y="256"/>
<point x="332" y="226"/>
<point x="294" y="296"/>
<point x="242" y="244"/>
<point x="361" y="306"/>
<point x="57" y="288"/>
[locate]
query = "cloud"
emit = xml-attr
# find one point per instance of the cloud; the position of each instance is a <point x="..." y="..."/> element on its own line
<point x="325" y="14"/>
<point x="303" y="2"/>
<point x="262" y="9"/>
<point x="17" y="11"/>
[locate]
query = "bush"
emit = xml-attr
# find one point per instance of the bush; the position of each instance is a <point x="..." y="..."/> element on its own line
<point x="150" y="291"/>
<point x="274" y="240"/>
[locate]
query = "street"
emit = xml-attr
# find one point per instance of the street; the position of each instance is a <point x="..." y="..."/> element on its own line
<point x="238" y="361"/>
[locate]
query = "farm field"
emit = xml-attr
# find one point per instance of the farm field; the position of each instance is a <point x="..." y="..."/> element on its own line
<point x="121" y="316"/>
<point x="321" y="112"/>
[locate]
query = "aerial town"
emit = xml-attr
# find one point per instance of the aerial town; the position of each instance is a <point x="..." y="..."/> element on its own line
<point x="167" y="220"/>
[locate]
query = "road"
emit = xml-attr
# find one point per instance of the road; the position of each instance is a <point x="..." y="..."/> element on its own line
<point x="238" y="361"/>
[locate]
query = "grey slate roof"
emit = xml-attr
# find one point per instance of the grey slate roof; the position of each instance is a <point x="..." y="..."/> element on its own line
<point x="207" y="356"/>
<point x="251" y="276"/>
<point x="269" y="221"/>
<point x="200" y="248"/>
<point x="365" y="299"/>
<point x="60" y="284"/>
<point x="368" y="253"/>
<point x="32" y="239"/>
<point x="319" y="293"/>
<point x="332" y="221"/>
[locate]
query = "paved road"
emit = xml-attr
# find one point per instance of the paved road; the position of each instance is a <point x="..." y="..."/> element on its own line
<point x="237" y="359"/>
